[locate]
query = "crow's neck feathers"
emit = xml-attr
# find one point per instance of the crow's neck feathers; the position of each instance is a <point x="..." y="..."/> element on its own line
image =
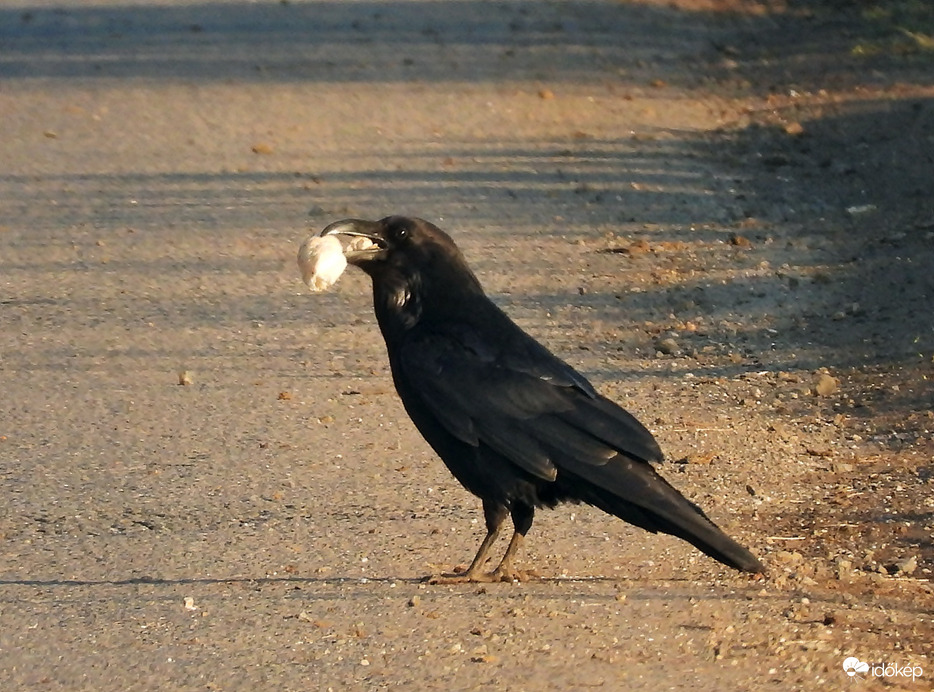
<point x="406" y="294"/>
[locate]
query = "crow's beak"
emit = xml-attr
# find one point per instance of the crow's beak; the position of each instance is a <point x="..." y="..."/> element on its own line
<point x="367" y="243"/>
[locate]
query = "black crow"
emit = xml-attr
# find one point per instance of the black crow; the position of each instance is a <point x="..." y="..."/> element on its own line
<point x="518" y="427"/>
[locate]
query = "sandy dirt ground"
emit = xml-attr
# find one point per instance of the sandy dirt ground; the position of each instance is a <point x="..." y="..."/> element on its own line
<point x="720" y="211"/>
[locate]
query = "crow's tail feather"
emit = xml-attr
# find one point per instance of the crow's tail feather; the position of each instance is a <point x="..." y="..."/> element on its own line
<point x="642" y="497"/>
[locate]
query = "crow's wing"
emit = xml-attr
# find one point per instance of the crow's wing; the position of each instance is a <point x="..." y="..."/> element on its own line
<point x="516" y="397"/>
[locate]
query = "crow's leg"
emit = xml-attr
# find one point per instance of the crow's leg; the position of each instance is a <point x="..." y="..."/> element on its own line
<point x="522" y="516"/>
<point x="494" y="514"/>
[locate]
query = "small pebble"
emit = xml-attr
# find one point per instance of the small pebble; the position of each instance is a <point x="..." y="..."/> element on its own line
<point x="907" y="565"/>
<point x="826" y="385"/>
<point x="667" y="346"/>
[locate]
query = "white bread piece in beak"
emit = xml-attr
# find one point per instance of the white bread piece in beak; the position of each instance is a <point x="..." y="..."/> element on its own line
<point x="360" y="243"/>
<point x="321" y="261"/>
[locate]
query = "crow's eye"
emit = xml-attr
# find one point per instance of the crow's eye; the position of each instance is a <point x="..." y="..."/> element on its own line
<point x="401" y="233"/>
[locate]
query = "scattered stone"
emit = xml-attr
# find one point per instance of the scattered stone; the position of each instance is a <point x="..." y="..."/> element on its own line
<point x="184" y="378"/>
<point x="546" y="94"/>
<point x="668" y="346"/>
<point x="844" y="568"/>
<point x="742" y="241"/>
<point x="825" y="385"/>
<point x="788" y="557"/>
<point x="906" y="566"/>
<point x="634" y="249"/>
<point x="639" y="247"/>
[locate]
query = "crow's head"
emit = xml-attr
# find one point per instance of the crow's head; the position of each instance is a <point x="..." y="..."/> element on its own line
<point x="415" y="266"/>
<point x="394" y="243"/>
